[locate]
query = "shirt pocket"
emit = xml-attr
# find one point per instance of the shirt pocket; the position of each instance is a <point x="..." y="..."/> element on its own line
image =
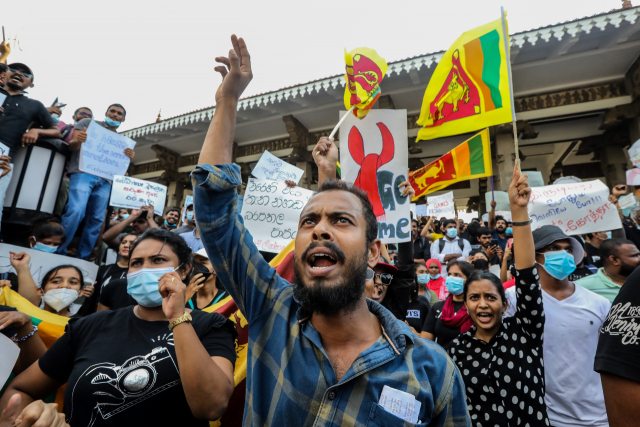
<point x="379" y="417"/>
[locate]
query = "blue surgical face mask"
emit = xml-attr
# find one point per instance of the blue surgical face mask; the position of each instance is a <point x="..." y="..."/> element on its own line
<point x="190" y="216"/>
<point x="455" y="285"/>
<point x="44" y="248"/>
<point x="143" y="284"/>
<point x="509" y="231"/>
<point x="112" y="123"/>
<point x="423" y="279"/>
<point x="559" y="264"/>
<point x="125" y="216"/>
<point x="436" y="277"/>
<point x="452" y="233"/>
<point x="608" y="233"/>
<point x="169" y="225"/>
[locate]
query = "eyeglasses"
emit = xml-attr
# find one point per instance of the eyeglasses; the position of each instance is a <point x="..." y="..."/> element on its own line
<point x="385" y="278"/>
<point x="85" y="114"/>
<point x="24" y="73"/>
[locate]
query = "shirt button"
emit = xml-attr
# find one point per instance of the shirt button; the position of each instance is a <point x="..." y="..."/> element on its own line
<point x="332" y="395"/>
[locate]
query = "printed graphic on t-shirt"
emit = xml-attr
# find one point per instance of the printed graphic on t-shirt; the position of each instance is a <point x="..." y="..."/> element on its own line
<point x="623" y="320"/>
<point x="115" y="389"/>
<point x="413" y="314"/>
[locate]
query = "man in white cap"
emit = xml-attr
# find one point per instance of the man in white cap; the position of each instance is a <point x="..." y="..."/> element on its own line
<point x="574" y="316"/>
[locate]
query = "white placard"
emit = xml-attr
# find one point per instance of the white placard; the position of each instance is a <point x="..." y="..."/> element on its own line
<point x="534" y="178"/>
<point x="9" y="353"/>
<point x="133" y="193"/>
<point x="633" y="176"/>
<point x="627" y="201"/>
<point x="102" y="154"/>
<point x="441" y="205"/>
<point x="576" y="208"/>
<point x="501" y="198"/>
<point x="634" y="154"/>
<point x="271" y="211"/>
<point x="2" y="98"/>
<point x="374" y="156"/>
<point x="421" y="210"/>
<point x="273" y="168"/>
<point x="567" y="180"/>
<point x="42" y="262"/>
<point x="413" y="209"/>
<point x="4" y="150"/>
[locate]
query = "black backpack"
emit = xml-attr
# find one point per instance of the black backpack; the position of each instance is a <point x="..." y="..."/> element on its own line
<point x="442" y="242"/>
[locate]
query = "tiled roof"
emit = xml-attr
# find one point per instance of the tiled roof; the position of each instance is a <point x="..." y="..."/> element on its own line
<point x="558" y="31"/>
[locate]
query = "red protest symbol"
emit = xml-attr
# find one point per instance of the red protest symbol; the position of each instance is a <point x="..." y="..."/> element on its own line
<point x="367" y="179"/>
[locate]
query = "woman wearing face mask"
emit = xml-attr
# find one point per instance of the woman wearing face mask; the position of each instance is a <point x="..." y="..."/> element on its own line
<point x="447" y="319"/>
<point x="501" y="359"/>
<point x="151" y="364"/>
<point x="47" y="235"/>
<point x="60" y="288"/>
<point x="422" y="277"/>
<point x="434" y="280"/>
<point x="204" y="289"/>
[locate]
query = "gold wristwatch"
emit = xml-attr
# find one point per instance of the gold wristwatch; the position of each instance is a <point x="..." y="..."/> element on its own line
<point x="186" y="317"/>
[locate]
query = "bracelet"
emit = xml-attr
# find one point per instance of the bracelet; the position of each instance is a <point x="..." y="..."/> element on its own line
<point x="26" y="337"/>
<point x="521" y="224"/>
<point x="186" y="317"/>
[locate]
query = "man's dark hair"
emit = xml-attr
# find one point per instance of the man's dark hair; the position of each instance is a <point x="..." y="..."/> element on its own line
<point x="84" y="108"/>
<point x="3" y="68"/>
<point x="473" y="227"/>
<point x="367" y="209"/>
<point x="475" y="220"/>
<point x="173" y="210"/>
<point x="446" y="222"/>
<point x="483" y="231"/>
<point x="612" y="247"/>
<point x="500" y="217"/>
<point x="48" y="226"/>
<point x="118" y="105"/>
<point x="416" y="221"/>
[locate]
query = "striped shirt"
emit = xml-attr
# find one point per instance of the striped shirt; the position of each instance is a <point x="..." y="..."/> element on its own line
<point x="290" y="380"/>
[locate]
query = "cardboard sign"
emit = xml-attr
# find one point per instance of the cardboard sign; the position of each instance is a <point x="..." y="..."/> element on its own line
<point x="42" y="262"/>
<point x="102" y="154"/>
<point x="134" y="193"/>
<point x="374" y="155"/>
<point x="271" y="211"/>
<point x="627" y="201"/>
<point x="4" y="150"/>
<point x="9" y="353"/>
<point x="421" y="210"/>
<point x="441" y="205"/>
<point x="634" y="154"/>
<point x="534" y="178"/>
<point x="576" y="208"/>
<point x="633" y="176"/>
<point x="412" y="207"/>
<point x="271" y="167"/>
<point x="501" y="198"/>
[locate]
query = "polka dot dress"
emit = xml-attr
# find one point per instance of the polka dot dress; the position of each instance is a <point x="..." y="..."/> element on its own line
<point x="504" y="378"/>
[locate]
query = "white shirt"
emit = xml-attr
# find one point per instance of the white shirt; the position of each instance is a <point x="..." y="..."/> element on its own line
<point x="450" y="248"/>
<point x="574" y="394"/>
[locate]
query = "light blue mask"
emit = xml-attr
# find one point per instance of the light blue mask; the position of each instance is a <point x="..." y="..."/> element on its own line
<point x="125" y="216"/>
<point x="169" y="225"/>
<point x="423" y="279"/>
<point x="436" y="277"/>
<point x="143" y="284"/>
<point x="509" y="231"/>
<point x="608" y="233"/>
<point x="452" y="233"/>
<point x="44" y="248"/>
<point x="559" y="264"/>
<point x="455" y="285"/>
<point x="112" y="123"/>
<point x="190" y="216"/>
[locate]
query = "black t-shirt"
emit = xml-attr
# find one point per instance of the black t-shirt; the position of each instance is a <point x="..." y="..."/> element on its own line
<point x="123" y="371"/>
<point x="115" y="295"/>
<point x="632" y="233"/>
<point x="619" y="344"/>
<point x="579" y="273"/>
<point x="421" y="248"/>
<point x="9" y="332"/>
<point x="594" y="254"/>
<point x="432" y="324"/>
<point x="106" y="273"/>
<point x="417" y="312"/>
<point x="19" y="112"/>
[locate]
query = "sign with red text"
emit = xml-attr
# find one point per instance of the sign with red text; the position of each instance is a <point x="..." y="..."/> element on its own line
<point x="576" y="208"/>
<point x="271" y="211"/>
<point x="374" y="156"/>
<point x="133" y="193"/>
<point x="441" y="205"/>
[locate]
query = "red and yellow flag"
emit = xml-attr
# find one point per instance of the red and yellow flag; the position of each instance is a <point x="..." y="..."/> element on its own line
<point x="469" y="89"/>
<point x="365" y="70"/>
<point x="469" y="160"/>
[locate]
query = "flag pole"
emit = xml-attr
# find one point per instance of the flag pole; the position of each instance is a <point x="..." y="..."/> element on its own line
<point x="492" y="195"/>
<point x="335" y="129"/>
<point x="513" y="105"/>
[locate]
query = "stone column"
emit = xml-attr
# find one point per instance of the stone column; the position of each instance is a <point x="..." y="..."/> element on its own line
<point x="175" y="194"/>
<point x="614" y="162"/>
<point x="503" y="162"/>
<point x="300" y="156"/>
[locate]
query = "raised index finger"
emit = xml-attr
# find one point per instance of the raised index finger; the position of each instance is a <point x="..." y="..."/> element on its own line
<point x="245" y="58"/>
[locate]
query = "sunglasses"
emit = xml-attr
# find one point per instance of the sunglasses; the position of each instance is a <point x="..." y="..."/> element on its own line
<point x="385" y="278"/>
<point x="24" y="73"/>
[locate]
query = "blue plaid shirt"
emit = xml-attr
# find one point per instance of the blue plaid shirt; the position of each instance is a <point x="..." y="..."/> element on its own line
<point x="290" y="380"/>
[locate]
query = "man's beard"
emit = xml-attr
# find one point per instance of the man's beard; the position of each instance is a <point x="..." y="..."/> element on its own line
<point x="329" y="299"/>
<point x="501" y="229"/>
<point x="11" y="85"/>
<point x="627" y="269"/>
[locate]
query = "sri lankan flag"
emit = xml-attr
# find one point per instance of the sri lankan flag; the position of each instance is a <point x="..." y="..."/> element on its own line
<point x="469" y="89"/>
<point x="469" y="160"/>
<point x="364" y="72"/>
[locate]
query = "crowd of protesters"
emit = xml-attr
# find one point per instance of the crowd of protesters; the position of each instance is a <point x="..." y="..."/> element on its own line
<point x="483" y="323"/>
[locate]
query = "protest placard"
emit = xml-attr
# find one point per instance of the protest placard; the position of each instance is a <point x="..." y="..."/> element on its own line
<point x="634" y="154"/>
<point x="633" y="176"/>
<point x="412" y="207"/>
<point x="374" y="156"/>
<point x="421" y="210"/>
<point x="271" y="167"/>
<point x="42" y="262"/>
<point x="627" y="201"/>
<point x="271" y="211"/>
<point x="102" y="154"/>
<point x="577" y="208"/>
<point x="4" y="150"/>
<point x="534" y="178"/>
<point x="133" y="193"/>
<point x="501" y="198"/>
<point x="441" y="205"/>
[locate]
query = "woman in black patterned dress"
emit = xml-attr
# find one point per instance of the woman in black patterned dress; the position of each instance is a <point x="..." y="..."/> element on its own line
<point x="501" y="361"/>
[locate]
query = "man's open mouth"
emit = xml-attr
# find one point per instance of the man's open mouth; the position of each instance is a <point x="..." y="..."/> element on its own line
<point x="321" y="261"/>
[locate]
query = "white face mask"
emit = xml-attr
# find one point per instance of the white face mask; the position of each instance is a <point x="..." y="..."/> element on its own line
<point x="60" y="298"/>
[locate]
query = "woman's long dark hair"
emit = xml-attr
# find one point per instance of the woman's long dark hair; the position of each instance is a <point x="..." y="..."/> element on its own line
<point x="482" y="275"/>
<point x="52" y="273"/>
